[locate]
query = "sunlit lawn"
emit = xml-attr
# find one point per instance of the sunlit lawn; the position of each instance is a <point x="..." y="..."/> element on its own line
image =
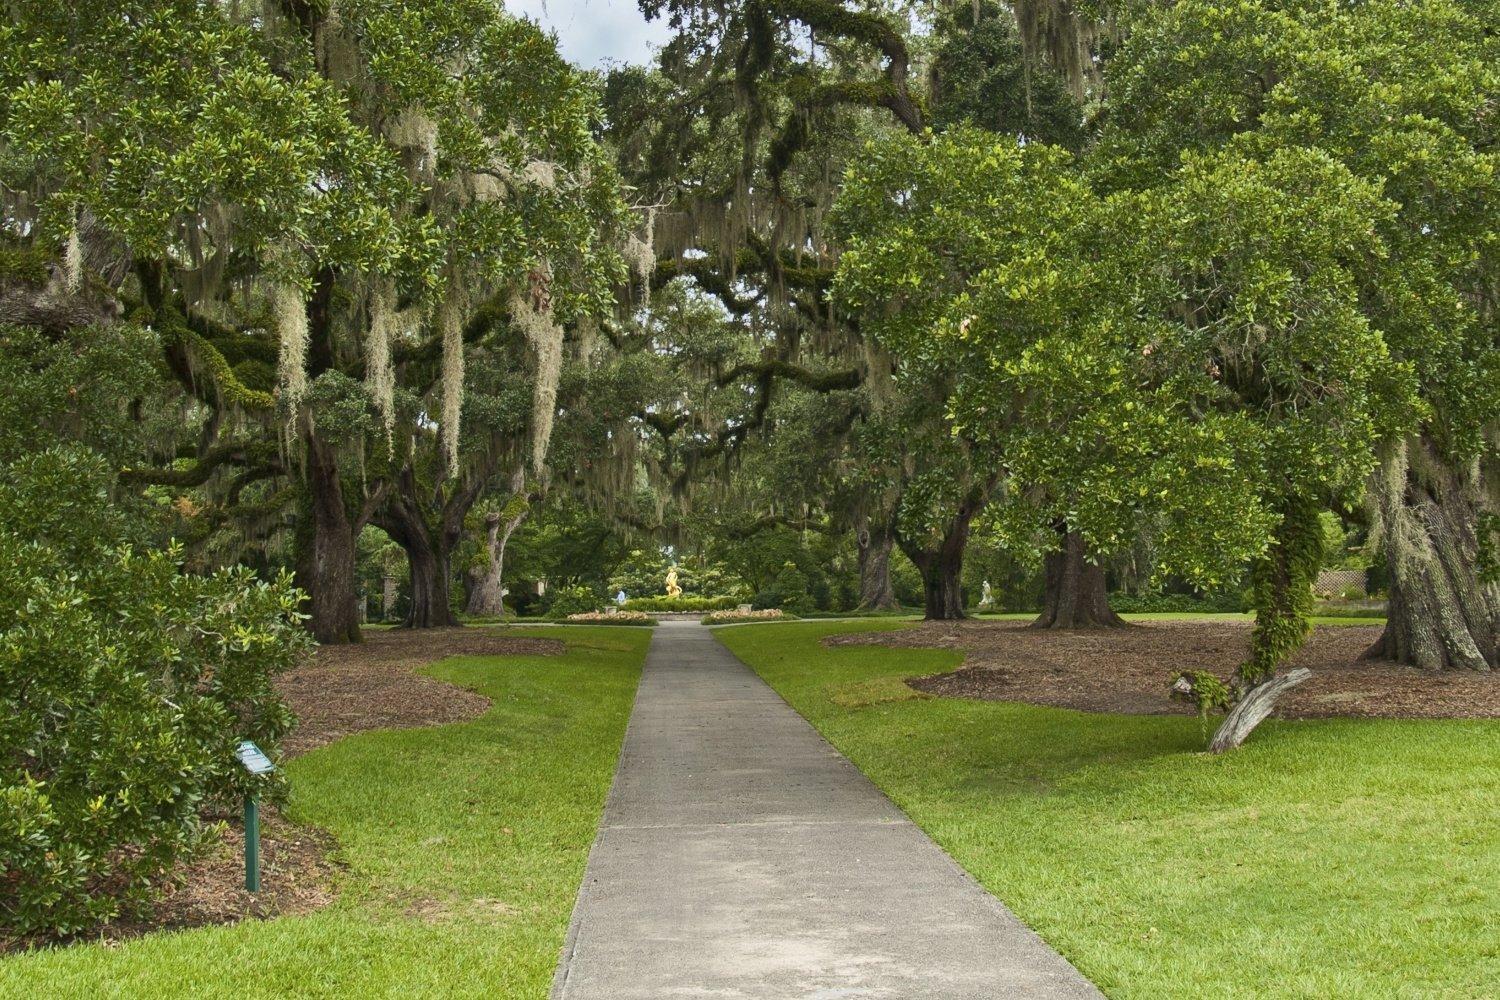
<point x="465" y="843"/>
<point x="1334" y="858"/>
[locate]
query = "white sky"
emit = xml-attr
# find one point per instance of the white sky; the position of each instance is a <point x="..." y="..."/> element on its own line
<point x="594" y="32"/>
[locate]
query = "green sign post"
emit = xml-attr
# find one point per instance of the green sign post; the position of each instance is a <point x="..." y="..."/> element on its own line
<point x="254" y="760"/>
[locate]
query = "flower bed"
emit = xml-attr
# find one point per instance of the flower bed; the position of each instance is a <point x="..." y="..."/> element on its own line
<point x="618" y="618"/>
<point x="730" y="617"/>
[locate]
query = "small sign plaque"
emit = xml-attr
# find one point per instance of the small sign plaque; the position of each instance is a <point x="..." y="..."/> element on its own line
<point x="254" y="759"/>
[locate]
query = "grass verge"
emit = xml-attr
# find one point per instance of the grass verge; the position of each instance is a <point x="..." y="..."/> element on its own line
<point x="1330" y="858"/>
<point x="465" y="846"/>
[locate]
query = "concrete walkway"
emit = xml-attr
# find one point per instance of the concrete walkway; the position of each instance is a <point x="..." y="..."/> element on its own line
<point x="742" y="857"/>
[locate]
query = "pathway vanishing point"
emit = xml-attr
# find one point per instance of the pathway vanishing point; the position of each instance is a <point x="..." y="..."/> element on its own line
<point x="741" y="856"/>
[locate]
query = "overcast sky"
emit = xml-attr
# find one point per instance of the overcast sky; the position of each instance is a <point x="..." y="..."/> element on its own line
<point x="593" y="32"/>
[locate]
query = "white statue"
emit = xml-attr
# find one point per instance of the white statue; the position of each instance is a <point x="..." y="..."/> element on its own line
<point x="986" y="598"/>
<point x="673" y="590"/>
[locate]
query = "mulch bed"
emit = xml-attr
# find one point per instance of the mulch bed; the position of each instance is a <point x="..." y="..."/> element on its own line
<point x="1128" y="670"/>
<point x="373" y="685"/>
<point x="341" y="690"/>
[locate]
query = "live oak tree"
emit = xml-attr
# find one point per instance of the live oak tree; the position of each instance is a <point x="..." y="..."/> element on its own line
<point x="742" y="140"/>
<point x="513" y="220"/>
<point x="317" y="206"/>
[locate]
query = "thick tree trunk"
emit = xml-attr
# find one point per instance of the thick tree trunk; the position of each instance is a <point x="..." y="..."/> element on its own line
<point x="488" y="594"/>
<point x="1440" y="614"/>
<point x="942" y="566"/>
<point x="325" y="561"/>
<point x="431" y="583"/>
<point x="428" y="537"/>
<point x="428" y="562"/>
<point x="875" y="544"/>
<point x="1075" y="596"/>
<point x="942" y="591"/>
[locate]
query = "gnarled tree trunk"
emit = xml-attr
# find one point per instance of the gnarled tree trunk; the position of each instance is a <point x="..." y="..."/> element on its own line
<point x="487" y="597"/>
<point x="942" y="565"/>
<point x="1075" y="594"/>
<point x="875" y="544"/>
<point x="1251" y="710"/>
<point x="428" y="562"/>
<point x="1429" y="515"/>
<point x="428" y="537"/>
<point x="942" y="592"/>
<point x="325" y="558"/>
<point x="1282" y="579"/>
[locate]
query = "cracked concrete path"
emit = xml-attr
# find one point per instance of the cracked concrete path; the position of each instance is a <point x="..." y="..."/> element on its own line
<point x="741" y="856"/>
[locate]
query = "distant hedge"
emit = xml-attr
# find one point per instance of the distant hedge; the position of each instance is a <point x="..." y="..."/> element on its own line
<point x="681" y="604"/>
<point x="1178" y="604"/>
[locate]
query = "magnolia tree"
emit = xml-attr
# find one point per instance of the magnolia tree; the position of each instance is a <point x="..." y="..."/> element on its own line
<point x="1402" y="96"/>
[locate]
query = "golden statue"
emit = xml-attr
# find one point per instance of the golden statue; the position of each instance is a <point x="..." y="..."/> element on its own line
<point x="673" y="590"/>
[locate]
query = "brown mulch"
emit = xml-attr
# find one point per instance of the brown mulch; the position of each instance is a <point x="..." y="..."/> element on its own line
<point x="373" y="685"/>
<point x="340" y="690"/>
<point x="297" y="874"/>
<point x="1128" y="670"/>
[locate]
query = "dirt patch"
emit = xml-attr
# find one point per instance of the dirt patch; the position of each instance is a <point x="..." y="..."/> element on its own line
<point x="1128" y="670"/>
<point x="297" y="876"/>
<point x="374" y="684"/>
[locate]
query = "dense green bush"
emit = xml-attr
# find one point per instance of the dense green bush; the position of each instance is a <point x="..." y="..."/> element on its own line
<point x="790" y="591"/>
<point x="565" y="601"/>
<point x="680" y="604"/>
<point x="124" y="686"/>
<point x="1179" y="603"/>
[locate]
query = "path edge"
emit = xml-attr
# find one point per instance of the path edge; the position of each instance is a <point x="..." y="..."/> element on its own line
<point x="575" y="918"/>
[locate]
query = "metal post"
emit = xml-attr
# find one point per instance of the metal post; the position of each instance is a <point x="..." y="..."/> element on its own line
<point x="252" y="844"/>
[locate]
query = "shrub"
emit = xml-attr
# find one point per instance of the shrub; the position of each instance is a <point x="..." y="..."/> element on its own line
<point x="566" y="601"/>
<point x="1178" y="603"/>
<point x="789" y="591"/>
<point x="125" y="685"/>
<point x="679" y="604"/>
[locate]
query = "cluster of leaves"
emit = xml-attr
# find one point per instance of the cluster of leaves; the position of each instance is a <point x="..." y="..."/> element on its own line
<point x="563" y="602"/>
<point x="127" y="685"/>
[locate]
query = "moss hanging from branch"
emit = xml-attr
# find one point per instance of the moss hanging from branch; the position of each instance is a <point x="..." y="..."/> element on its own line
<point x="532" y="312"/>
<point x="290" y="314"/>
<point x="380" y="371"/>
<point x="1057" y="32"/>
<point x="72" y="259"/>
<point x="450" y="329"/>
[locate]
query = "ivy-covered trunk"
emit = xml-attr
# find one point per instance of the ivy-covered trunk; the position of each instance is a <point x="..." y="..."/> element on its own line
<point x="1075" y="594"/>
<point x="1282" y="582"/>
<point x="1430" y="516"/>
<point x="326" y="555"/>
<point x="875" y="545"/>
<point x="488" y="594"/>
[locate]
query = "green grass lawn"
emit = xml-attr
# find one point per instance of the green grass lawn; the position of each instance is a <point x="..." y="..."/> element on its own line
<point x="1335" y="858"/>
<point x="1185" y="616"/>
<point x="465" y="843"/>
